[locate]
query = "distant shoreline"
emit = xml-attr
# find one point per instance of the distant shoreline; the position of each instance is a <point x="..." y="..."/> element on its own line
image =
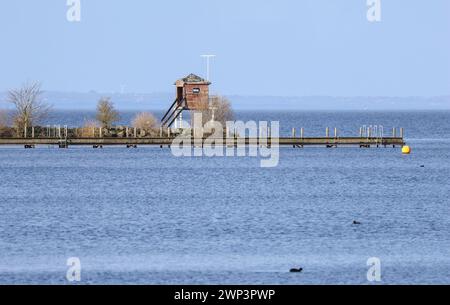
<point x="160" y="101"/>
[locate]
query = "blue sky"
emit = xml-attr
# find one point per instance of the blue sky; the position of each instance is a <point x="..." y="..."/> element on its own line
<point x="263" y="47"/>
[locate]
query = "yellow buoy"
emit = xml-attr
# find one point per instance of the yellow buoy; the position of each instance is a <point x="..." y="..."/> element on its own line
<point x="406" y="150"/>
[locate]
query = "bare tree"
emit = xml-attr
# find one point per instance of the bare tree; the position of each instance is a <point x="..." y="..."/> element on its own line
<point x="30" y="108"/>
<point x="145" y="121"/>
<point x="3" y="121"/>
<point x="3" y="118"/>
<point x="220" y="108"/>
<point x="106" y="113"/>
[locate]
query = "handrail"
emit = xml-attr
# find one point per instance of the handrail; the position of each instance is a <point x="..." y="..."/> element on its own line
<point x="168" y="111"/>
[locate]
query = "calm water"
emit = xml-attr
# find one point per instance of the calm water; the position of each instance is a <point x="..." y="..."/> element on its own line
<point x="144" y="216"/>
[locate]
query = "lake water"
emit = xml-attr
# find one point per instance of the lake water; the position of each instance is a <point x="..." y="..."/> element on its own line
<point x="144" y="216"/>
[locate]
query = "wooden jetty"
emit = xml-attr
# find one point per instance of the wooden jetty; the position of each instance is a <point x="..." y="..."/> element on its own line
<point x="330" y="142"/>
<point x="192" y="94"/>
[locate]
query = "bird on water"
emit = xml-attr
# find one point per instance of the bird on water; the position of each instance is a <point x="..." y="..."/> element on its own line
<point x="356" y="222"/>
<point x="294" y="270"/>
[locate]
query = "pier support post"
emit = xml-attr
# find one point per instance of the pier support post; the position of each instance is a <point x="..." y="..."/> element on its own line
<point x="32" y="132"/>
<point x="302" y="132"/>
<point x="335" y="136"/>
<point x="401" y="133"/>
<point x="293" y="132"/>
<point x="327" y="132"/>
<point x="394" y="134"/>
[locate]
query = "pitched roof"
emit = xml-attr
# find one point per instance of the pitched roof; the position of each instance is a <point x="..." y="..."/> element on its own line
<point x="192" y="78"/>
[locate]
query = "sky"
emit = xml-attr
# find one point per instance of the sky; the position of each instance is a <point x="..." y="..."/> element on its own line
<point x="262" y="47"/>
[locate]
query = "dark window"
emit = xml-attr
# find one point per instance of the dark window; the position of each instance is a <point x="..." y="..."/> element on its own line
<point x="196" y="90"/>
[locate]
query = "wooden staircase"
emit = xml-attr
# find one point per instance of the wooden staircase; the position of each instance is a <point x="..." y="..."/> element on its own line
<point x="173" y="113"/>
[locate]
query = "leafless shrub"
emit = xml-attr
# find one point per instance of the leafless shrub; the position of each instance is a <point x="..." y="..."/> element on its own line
<point x="145" y="121"/>
<point x="220" y="107"/>
<point x="106" y="113"/>
<point x="30" y="109"/>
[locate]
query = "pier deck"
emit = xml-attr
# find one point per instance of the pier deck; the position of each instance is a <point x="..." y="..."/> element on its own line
<point x="283" y="141"/>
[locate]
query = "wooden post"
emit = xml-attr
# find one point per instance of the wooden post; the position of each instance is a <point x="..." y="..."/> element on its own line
<point x="168" y="132"/>
<point x="360" y="132"/>
<point x="135" y="132"/>
<point x="302" y="132"/>
<point x="160" y="132"/>
<point x="293" y="132"/>
<point x="327" y="132"/>
<point x="32" y="132"/>
<point x="394" y="134"/>
<point x="401" y="133"/>
<point x="335" y="132"/>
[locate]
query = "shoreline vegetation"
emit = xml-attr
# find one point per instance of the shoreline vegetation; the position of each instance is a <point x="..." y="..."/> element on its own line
<point x="30" y="111"/>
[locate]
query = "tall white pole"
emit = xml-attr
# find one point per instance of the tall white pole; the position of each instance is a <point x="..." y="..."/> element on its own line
<point x="208" y="57"/>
